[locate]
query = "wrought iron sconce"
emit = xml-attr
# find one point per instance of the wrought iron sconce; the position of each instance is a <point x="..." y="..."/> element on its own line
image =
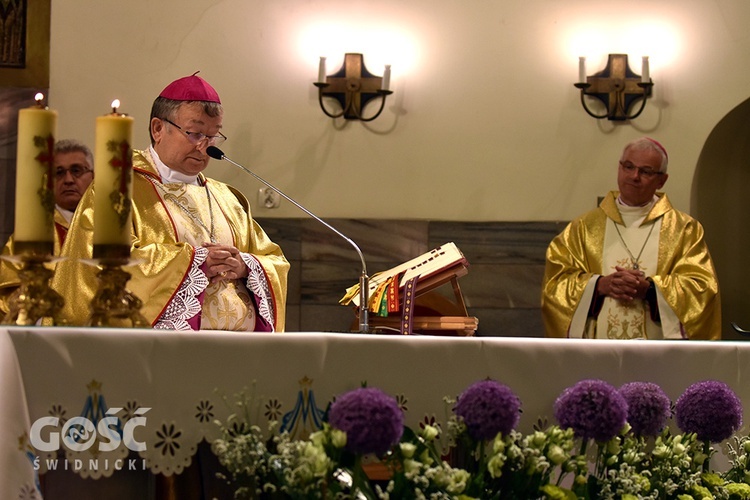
<point x="617" y="87"/>
<point x="353" y="87"/>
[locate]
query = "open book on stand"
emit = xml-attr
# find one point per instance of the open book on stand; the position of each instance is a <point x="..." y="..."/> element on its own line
<point x="404" y="299"/>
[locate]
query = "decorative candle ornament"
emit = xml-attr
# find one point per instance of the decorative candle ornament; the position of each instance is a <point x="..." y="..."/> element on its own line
<point x="322" y="70"/>
<point x="582" y="69"/>
<point x="35" y="201"/>
<point x="113" y="173"/>
<point x="387" y="77"/>
<point x="645" y="72"/>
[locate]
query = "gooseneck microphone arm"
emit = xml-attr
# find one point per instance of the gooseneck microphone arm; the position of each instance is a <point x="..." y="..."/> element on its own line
<point x="364" y="327"/>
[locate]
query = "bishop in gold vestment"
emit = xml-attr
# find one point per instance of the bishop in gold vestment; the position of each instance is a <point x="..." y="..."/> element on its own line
<point x="634" y="267"/>
<point x="200" y="261"/>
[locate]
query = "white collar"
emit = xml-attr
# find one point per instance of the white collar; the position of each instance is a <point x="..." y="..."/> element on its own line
<point x="643" y="209"/>
<point x="168" y="175"/>
<point x="67" y="214"/>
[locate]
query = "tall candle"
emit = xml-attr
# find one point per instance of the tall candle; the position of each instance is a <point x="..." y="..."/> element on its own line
<point x="387" y="77"/>
<point x="35" y="201"/>
<point x="582" y="69"/>
<point x="113" y="175"/>
<point x="645" y="72"/>
<point x="322" y="70"/>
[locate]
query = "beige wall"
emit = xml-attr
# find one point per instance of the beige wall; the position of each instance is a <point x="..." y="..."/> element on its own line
<point x="484" y="124"/>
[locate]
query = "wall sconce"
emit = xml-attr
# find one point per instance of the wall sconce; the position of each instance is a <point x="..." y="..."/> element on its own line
<point x="616" y="86"/>
<point x="353" y="87"/>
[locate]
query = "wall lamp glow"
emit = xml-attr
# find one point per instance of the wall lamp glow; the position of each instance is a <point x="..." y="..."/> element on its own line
<point x="616" y="86"/>
<point x="353" y="87"/>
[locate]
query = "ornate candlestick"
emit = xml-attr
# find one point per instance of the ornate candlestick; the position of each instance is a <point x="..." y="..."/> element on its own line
<point x="33" y="300"/>
<point x="113" y="304"/>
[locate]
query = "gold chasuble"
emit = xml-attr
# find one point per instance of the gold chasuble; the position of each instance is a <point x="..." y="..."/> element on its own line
<point x="171" y="222"/>
<point x="664" y="243"/>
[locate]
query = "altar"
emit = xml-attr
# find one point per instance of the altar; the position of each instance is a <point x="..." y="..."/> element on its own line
<point x="163" y="391"/>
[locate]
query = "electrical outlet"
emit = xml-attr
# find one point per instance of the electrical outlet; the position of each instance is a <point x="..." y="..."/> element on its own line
<point x="268" y="198"/>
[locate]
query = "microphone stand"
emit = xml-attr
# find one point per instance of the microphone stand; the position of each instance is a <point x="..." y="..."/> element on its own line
<point x="364" y="326"/>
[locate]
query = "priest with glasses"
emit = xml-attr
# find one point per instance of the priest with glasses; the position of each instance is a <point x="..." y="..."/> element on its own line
<point x="634" y="267"/>
<point x="201" y="262"/>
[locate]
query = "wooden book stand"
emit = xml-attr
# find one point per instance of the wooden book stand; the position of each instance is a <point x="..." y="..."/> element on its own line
<point x="424" y="310"/>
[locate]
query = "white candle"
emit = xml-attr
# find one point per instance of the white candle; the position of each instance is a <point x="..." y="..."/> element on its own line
<point x="35" y="201"/>
<point x="645" y="72"/>
<point x="113" y="172"/>
<point x="322" y="70"/>
<point x="582" y="69"/>
<point x="387" y="77"/>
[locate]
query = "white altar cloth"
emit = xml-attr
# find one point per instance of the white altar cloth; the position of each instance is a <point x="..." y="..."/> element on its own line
<point x="181" y="377"/>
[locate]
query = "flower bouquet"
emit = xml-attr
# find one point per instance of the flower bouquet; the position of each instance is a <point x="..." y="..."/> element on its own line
<point x="608" y="443"/>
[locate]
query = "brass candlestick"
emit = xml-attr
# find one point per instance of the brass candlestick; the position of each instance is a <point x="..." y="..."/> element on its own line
<point x="113" y="304"/>
<point x="34" y="300"/>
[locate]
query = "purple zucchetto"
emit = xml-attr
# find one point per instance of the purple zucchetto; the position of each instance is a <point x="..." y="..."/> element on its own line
<point x="190" y="88"/>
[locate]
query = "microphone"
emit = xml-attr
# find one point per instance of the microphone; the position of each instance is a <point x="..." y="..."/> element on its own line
<point x="364" y="327"/>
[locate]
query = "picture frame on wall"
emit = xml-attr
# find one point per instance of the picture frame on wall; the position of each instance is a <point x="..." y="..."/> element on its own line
<point x="25" y="43"/>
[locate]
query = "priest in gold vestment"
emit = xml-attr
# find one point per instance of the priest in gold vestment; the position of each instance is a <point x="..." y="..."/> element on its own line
<point x="200" y="261"/>
<point x="634" y="267"/>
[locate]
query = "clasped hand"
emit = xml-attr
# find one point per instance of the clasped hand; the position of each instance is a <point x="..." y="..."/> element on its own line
<point x="224" y="263"/>
<point x="623" y="284"/>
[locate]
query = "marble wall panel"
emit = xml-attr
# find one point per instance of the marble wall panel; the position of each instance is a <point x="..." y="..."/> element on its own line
<point x="498" y="322"/>
<point x="327" y="318"/>
<point x="497" y="242"/>
<point x="503" y="286"/>
<point x="381" y="241"/>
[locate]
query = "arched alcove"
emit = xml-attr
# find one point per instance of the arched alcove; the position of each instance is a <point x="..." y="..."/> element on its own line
<point x="721" y="201"/>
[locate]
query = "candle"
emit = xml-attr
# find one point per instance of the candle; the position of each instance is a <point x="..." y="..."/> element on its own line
<point x="113" y="173"/>
<point x="322" y="70"/>
<point x="645" y="73"/>
<point x="387" y="77"/>
<point x="582" y="69"/>
<point x="35" y="201"/>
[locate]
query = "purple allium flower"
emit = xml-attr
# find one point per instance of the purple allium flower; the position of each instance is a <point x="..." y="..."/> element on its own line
<point x="371" y="419"/>
<point x="488" y="407"/>
<point x="649" y="407"/>
<point x="710" y="409"/>
<point x="593" y="409"/>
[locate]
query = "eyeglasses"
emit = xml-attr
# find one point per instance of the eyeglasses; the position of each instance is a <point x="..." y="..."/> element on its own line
<point x="648" y="173"/>
<point x="198" y="139"/>
<point x="75" y="170"/>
